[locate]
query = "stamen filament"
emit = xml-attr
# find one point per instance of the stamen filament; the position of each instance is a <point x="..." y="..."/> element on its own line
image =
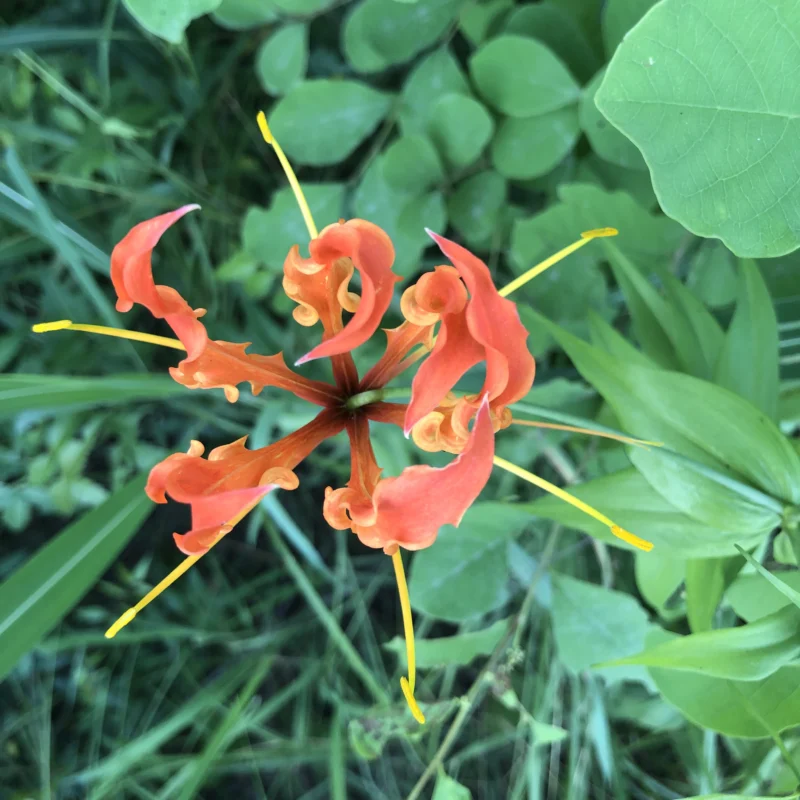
<point x="176" y="573"/>
<point x="588" y="431"/>
<point x="586" y="237"/>
<point x="291" y="177"/>
<point x="407" y="684"/>
<point x="119" y="333"/>
<point x="616" y="530"/>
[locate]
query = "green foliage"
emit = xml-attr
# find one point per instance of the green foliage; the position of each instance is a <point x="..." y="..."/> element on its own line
<point x="169" y="21"/>
<point x="693" y="84"/>
<point x="282" y="59"/>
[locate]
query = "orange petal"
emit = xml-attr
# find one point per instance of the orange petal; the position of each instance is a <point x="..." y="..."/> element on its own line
<point x="232" y="478"/>
<point x="409" y="510"/>
<point x="455" y="352"/>
<point x="132" y="276"/>
<point x="225" y="365"/>
<point x="370" y="251"/>
<point x="495" y="323"/>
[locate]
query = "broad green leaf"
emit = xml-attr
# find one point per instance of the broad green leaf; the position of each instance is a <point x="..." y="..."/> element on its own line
<point x="619" y="16"/>
<point x="448" y="789"/>
<point x="643" y="237"/>
<point x="520" y="77"/>
<point x="460" y="127"/>
<point x="608" y="338"/>
<point x="605" y="139"/>
<point x="636" y="182"/>
<point x="398" y="31"/>
<point x="543" y="733"/>
<point x="749" y="361"/>
<point x="282" y="59"/>
<point x="465" y="573"/>
<point x="44" y="589"/>
<point x="532" y="146"/>
<point x="269" y="234"/>
<point x="658" y="579"/>
<point x="412" y="164"/>
<point x="594" y="624"/>
<point x="752" y="597"/>
<point x="750" y="652"/>
<point x="693" y="417"/>
<point x="712" y="276"/>
<point x="740" y="797"/>
<point x="361" y="53"/>
<point x="302" y="7"/>
<point x="715" y="119"/>
<point x="628" y="499"/>
<point x="475" y="206"/>
<point x="54" y="393"/>
<point x="789" y="403"/>
<point x="480" y="19"/>
<point x="169" y="20"/>
<point x="321" y="122"/>
<point x="244" y="14"/>
<point x="706" y="582"/>
<point x="750" y="709"/>
<point x="458" y="650"/>
<point x="559" y="30"/>
<point x="435" y="76"/>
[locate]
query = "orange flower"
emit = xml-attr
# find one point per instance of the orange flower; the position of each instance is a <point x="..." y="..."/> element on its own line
<point x="475" y="324"/>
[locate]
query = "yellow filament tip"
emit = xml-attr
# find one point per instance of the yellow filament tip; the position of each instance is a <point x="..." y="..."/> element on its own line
<point x="290" y="176"/>
<point x="599" y="233"/>
<point x="102" y="330"/>
<point x="407" y="684"/>
<point x="586" y="237"/>
<point x="121" y="623"/>
<point x="46" y="327"/>
<point x="616" y="530"/>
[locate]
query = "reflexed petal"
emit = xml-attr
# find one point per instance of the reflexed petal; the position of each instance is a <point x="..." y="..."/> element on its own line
<point x="494" y="323"/>
<point x="223" y="486"/>
<point x="409" y="510"/>
<point x="370" y="251"/>
<point x="132" y="276"/>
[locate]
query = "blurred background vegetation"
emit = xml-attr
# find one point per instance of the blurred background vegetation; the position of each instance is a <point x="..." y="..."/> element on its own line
<point x="270" y="670"/>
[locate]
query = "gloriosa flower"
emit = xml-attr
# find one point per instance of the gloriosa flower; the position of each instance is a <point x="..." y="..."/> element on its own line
<point x="454" y="315"/>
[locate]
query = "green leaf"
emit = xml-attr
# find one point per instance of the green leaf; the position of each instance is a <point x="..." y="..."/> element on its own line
<point x="658" y="579"/>
<point x="739" y="797"/>
<point x="715" y="119"/>
<point x="448" y="789"/>
<point x="752" y="597"/>
<point x="531" y="147"/>
<point x="693" y="417"/>
<point x="269" y="234"/>
<point x="240" y="15"/>
<point x="465" y="573"/>
<point x="459" y="650"/>
<point x="636" y="182"/>
<point x="619" y="16"/>
<point x="594" y="624"/>
<point x="460" y="127"/>
<point x="628" y="499"/>
<point x="480" y="19"/>
<point x="398" y="31"/>
<point x="608" y="338"/>
<point x="712" y="276"/>
<point x="605" y="139"/>
<point x="755" y="709"/>
<point x="555" y="27"/>
<point x="643" y="237"/>
<point x="45" y="588"/>
<point x="476" y="204"/>
<point x="54" y="393"/>
<point x="706" y="582"/>
<point x="520" y="77"/>
<point x="282" y="59"/>
<point x="412" y="164"/>
<point x="435" y="76"/>
<point x="169" y="20"/>
<point x="321" y="122"/>
<point x="749" y="361"/>
<point x="748" y="653"/>
<point x="302" y="8"/>
<point x="356" y="45"/>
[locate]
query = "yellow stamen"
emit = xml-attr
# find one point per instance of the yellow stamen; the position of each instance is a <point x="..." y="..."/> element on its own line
<point x="586" y="237"/>
<point x="292" y="178"/>
<point x="165" y="583"/>
<point x="407" y="685"/>
<point x="120" y="333"/>
<point x="589" y="432"/>
<point x="616" y="530"/>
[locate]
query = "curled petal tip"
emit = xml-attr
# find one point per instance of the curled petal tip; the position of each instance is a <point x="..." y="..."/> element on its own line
<point x="435" y="236"/>
<point x="303" y="360"/>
